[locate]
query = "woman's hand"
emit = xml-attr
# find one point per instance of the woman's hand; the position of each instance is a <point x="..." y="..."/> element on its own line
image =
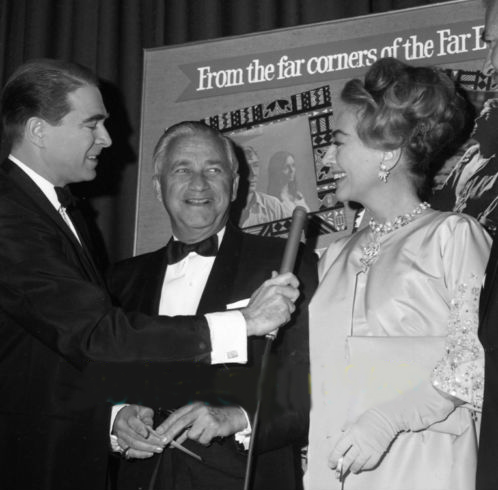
<point x="363" y="444"/>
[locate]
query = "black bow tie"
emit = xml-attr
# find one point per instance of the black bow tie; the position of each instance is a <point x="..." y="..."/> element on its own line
<point x="176" y="250"/>
<point x="65" y="197"/>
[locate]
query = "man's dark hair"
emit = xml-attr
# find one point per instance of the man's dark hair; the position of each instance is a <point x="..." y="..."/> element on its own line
<point x="39" y="88"/>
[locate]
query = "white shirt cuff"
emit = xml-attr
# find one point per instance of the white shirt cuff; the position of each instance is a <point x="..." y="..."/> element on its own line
<point x="115" y="447"/>
<point x="228" y="337"/>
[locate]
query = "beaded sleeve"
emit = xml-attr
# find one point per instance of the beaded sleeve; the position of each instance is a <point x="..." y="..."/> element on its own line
<point x="460" y="372"/>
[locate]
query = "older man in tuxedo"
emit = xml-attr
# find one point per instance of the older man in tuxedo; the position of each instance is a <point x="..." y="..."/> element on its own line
<point x="196" y="179"/>
<point x="57" y="320"/>
<point x="487" y="473"/>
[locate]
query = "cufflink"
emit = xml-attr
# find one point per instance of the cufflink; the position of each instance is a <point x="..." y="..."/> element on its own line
<point x="232" y="354"/>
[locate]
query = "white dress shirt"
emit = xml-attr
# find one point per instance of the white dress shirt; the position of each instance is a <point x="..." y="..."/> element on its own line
<point x="181" y="293"/>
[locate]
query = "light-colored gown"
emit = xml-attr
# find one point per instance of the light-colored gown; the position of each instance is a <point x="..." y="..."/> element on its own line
<point x="377" y="331"/>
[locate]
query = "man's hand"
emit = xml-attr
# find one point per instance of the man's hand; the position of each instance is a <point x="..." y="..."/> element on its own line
<point x="272" y="304"/>
<point x="131" y="426"/>
<point x="202" y="423"/>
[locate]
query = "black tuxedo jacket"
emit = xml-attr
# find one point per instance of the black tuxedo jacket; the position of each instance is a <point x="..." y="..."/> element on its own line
<point x="243" y="262"/>
<point x="57" y="321"/>
<point x="487" y="472"/>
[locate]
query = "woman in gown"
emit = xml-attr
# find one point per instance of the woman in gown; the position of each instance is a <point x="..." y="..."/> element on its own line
<point x="282" y="181"/>
<point x="396" y="367"/>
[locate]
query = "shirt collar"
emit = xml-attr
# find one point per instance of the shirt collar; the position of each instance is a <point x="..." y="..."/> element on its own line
<point x="220" y="235"/>
<point x="45" y="186"/>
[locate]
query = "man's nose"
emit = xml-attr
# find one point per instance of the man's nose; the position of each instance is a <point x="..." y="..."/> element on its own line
<point x="198" y="180"/>
<point x="103" y="137"/>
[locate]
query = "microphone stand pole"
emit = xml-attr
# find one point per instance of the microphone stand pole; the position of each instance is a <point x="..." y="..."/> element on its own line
<point x="287" y="265"/>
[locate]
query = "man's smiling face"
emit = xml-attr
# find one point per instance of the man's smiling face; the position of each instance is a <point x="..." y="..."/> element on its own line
<point x="197" y="186"/>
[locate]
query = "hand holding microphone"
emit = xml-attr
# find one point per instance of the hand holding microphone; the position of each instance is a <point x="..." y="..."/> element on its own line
<point x="272" y="304"/>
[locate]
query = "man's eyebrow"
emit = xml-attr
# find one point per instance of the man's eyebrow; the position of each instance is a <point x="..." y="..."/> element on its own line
<point x="96" y="117"/>
<point x="186" y="161"/>
<point x="216" y="161"/>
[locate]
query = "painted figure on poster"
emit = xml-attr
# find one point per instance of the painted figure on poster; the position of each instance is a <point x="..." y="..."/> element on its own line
<point x="260" y="207"/>
<point x="471" y="185"/>
<point x="282" y="181"/>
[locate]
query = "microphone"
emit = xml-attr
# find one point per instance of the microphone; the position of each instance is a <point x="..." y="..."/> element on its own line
<point x="299" y="216"/>
<point x="291" y="247"/>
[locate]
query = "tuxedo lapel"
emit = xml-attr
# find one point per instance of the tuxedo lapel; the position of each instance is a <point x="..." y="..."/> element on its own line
<point x="34" y="194"/>
<point x="220" y="284"/>
<point x="80" y="225"/>
<point x="152" y="286"/>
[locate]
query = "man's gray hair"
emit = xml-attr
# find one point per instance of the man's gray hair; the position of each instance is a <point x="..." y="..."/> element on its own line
<point x="190" y="128"/>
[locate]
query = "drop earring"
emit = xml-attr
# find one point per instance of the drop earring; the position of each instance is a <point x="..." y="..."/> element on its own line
<point x="383" y="173"/>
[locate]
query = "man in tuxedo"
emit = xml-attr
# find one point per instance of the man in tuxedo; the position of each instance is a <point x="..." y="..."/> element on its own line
<point x="57" y="320"/>
<point x="487" y="474"/>
<point x="196" y="178"/>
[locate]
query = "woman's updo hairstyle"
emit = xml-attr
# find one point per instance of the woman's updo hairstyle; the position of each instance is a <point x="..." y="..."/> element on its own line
<point x="413" y="108"/>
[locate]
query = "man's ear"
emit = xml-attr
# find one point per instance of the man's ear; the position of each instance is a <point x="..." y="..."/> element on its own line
<point x="34" y="131"/>
<point x="235" y="187"/>
<point x="157" y="188"/>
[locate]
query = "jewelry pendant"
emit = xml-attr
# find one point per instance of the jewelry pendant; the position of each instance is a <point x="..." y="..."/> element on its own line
<point x="383" y="173"/>
<point x="370" y="252"/>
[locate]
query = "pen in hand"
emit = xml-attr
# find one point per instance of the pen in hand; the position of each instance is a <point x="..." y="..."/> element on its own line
<point x="176" y="445"/>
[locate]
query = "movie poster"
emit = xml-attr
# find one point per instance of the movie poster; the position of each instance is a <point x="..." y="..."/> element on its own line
<point x="274" y="93"/>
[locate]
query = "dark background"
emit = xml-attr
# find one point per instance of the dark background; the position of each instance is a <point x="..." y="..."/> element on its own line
<point x="109" y="37"/>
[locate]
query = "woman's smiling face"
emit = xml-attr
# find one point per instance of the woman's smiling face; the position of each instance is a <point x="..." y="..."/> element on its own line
<point x="354" y="165"/>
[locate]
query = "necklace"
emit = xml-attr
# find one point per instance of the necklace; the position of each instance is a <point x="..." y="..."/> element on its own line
<point x="370" y="251"/>
<point x="399" y="221"/>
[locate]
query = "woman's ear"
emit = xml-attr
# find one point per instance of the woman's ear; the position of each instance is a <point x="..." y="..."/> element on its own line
<point x="391" y="158"/>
